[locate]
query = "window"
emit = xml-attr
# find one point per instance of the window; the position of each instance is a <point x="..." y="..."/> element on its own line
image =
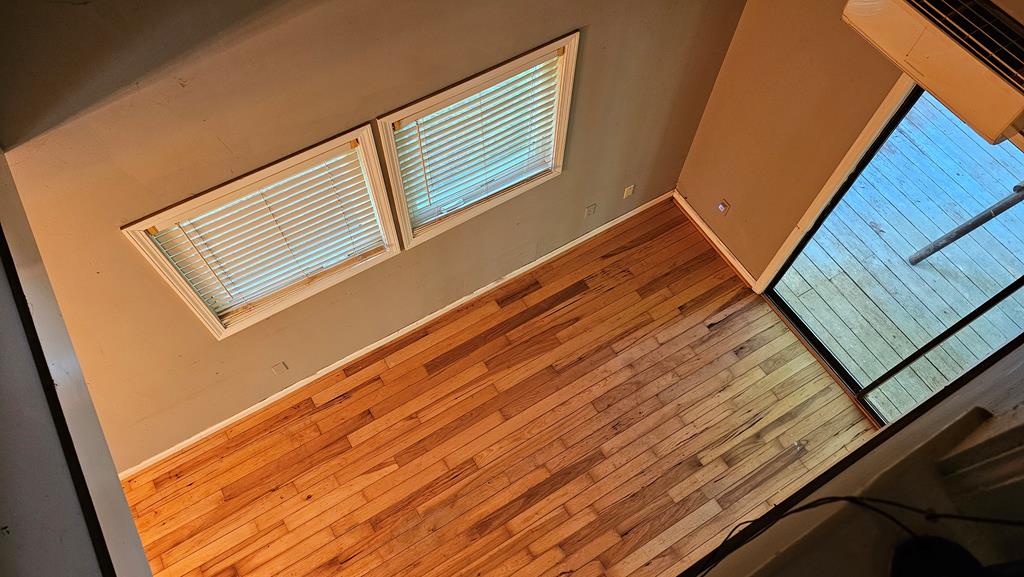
<point x="473" y="146"/>
<point x="249" y="248"/>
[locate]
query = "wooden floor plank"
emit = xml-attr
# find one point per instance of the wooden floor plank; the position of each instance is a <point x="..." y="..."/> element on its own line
<point x="608" y="413"/>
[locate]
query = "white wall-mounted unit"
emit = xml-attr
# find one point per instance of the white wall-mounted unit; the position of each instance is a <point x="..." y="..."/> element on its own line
<point x="968" y="53"/>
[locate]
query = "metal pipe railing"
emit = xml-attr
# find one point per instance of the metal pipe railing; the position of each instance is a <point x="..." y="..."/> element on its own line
<point x="970" y="224"/>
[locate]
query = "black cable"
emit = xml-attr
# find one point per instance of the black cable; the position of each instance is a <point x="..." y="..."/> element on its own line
<point x="867" y="503"/>
<point x="932" y="515"/>
<point x="812" y="505"/>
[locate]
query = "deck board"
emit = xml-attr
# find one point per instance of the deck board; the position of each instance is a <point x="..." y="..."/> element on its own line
<point x="867" y="304"/>
<point x="914" y="323"/>
<point x="984" y="257"/>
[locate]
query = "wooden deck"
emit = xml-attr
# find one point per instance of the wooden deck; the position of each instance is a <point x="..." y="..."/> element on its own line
<point x="852" y="284"/>
<point x="613" y="412"/>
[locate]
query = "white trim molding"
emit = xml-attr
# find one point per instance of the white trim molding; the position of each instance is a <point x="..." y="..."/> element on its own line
<point x="876" y="124"/>
<point x="133" y="470"/>
<point x="708" y="233"/>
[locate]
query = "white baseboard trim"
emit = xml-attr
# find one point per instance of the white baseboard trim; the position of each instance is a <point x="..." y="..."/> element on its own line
<point x="717" y="242"/>
<point x="130" y="471"/>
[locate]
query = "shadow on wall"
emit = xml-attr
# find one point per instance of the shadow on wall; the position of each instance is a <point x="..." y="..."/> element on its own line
<point x="83" y="51"/>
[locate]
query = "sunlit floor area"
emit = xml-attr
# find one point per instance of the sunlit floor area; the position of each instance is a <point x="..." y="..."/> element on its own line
<point x="852" y="284"/>
<point x="615" y="411"/>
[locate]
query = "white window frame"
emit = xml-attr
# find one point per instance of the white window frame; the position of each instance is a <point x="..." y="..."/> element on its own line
<point x="567" y="46"/>
<point x="266" y="306"/>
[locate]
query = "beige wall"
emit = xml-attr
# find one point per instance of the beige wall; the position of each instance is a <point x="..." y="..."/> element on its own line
<point x="796" y="88"/>
<point x="111" y="150"/>
<point x="26" y="460"/>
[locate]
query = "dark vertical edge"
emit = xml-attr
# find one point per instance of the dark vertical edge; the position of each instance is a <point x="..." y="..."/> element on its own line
<point x="92" y="522"/>
<point x="771" y="292"/>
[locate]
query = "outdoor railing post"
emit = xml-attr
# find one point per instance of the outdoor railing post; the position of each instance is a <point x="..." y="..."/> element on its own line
<point x="972" y="223"/>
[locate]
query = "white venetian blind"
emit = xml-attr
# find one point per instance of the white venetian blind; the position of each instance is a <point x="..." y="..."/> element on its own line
<point x="480" y="145"/>
<point x="290" y="227"/>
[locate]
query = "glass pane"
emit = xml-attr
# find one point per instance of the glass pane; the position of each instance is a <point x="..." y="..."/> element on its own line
<point x="479" y="146"/>
<point x="889" y="398"/>
<point x="297" y="223"/>
<point x="854" y="289"/>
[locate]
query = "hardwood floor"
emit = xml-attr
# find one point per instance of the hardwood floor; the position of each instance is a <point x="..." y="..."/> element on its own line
<point x="612" y="412"/>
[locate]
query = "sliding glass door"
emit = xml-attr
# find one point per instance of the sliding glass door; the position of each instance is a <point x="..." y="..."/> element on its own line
<point x="852" y="290"/>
